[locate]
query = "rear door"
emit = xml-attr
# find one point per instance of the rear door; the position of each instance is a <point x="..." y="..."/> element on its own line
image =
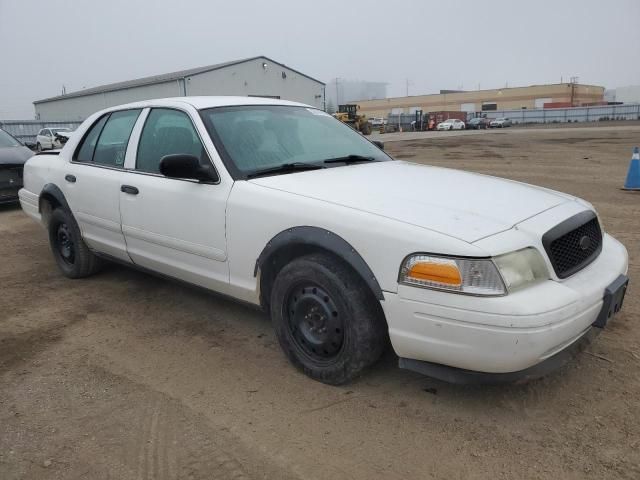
<point x="174" y="226"/>
<point x="93" y="178"/>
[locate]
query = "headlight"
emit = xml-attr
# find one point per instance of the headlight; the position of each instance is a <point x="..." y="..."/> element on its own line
<point x="475" y="276"/>
<point x="522" y="267"/>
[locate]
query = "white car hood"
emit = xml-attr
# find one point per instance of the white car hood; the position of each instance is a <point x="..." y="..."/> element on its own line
<point x="464" y="205"/>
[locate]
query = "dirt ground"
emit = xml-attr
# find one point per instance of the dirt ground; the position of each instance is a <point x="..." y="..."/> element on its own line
<point x="127" y="376"/>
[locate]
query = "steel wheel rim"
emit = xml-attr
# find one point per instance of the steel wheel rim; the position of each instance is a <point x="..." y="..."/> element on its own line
<point x="314" y="321"/>
<point x="64" y="244"/>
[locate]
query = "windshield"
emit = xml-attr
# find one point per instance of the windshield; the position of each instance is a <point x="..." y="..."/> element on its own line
<point x="56" y="130"/>
<point x="7" y="140"/>
<point x="255" y="137"/>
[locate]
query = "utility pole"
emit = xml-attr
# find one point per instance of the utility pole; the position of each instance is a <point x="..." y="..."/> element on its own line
<point x="573" y="81"/>
<point x="407" y="84"/>
<point x="337" y="94"/>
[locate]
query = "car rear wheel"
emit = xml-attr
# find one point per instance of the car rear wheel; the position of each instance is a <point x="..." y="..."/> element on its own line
<point x="73" y="257"/>
<point x="327" y="321"/>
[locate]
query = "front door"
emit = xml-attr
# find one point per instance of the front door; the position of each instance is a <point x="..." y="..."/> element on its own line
<point x="173" y="226"/>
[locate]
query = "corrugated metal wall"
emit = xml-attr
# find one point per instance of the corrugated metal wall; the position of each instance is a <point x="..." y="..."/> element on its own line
<point x="547" y="115"/>
<point x="244" y="79"/>
<point x="566" y="115"/>
<point x="252" y="79"/>
<point x="79" y="108"/>
<point x="26" y="130"/>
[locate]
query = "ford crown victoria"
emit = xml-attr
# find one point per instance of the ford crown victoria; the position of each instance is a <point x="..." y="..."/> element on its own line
<point x="278" y="204"/>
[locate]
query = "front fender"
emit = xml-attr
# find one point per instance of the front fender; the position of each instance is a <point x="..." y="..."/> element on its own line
<point x="326" y="240"/>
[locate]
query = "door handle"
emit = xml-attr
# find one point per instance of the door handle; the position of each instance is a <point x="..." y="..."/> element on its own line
<point x="70" y="178"/>
<point x="129" y="189"/>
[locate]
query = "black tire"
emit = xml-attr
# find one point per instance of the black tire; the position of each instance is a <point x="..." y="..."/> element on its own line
<point x="72" y="255"/>
<point x="38" y="147"/>
<point x="329" y="324"/>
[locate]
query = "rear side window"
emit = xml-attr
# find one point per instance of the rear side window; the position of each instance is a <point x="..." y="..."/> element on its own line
<point x="166" y="132"/>
<point x="112" y="144"/>
<point x="106" y="142"/>
<point x="85" y="153"/>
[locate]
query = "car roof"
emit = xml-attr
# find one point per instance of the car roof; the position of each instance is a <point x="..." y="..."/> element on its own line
<point x="208" y="102"/>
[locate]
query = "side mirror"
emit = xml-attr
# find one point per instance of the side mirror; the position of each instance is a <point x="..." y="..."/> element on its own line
<point x="378" y="144"/>
<point x="183" y="165"/>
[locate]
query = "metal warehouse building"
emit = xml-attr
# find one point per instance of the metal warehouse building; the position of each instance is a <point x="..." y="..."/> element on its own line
<point x="257" y="76"/>
<point x="535" y="96"/>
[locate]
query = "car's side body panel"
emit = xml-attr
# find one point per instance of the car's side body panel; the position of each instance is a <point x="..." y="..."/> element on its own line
<point x="94" y="199"/>
<point x="256" y="214"/>
<point x="177" y="227"/>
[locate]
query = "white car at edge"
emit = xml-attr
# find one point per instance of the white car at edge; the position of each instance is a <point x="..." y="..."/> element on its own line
<point x="451" y="124"/>
<point x="278" y="204"/>
<point x="52" y="137"/>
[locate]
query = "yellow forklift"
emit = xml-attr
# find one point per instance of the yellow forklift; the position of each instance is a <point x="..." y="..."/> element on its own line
<point x="349" y="114"/>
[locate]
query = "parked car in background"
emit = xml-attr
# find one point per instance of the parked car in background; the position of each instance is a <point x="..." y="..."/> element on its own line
<point x="478" y="123"/>
<point x="277" y="204"/>
<point x="451" y="124"/>
<point x="501" y="122"/>
<point x="13" y="154"/>
<point x="378" y="121"/>
<point x="52" y="137"/>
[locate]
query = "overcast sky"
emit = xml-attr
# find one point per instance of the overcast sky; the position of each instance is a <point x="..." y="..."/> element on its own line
<point x="435" y="44"/>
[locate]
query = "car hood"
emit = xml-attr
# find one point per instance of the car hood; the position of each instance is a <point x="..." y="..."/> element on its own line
<point x="14" y="155"/>
<point x="464" y="205"/>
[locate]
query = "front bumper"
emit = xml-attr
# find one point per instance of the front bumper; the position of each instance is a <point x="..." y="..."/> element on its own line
<point x="10" y="183"/>
<point x="500" y="335"/>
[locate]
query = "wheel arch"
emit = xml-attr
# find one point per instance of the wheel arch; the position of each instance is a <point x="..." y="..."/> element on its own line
<point x="303" y="240"/>
<point x="51" y="197"/>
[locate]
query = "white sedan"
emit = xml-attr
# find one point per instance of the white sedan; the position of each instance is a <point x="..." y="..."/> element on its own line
<point x="52" y="137"/>
<point x="451" y="124"/>
<point x="278" y="204"/>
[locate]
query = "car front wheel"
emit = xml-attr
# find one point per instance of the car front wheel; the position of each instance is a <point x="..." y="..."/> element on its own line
<point x="327" y="321"/>
<point x="72" y="255"/>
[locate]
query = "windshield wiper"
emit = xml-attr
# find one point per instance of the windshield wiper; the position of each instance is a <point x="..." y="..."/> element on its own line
<point x="285" y="168"/>
<point x="350" y="159"/>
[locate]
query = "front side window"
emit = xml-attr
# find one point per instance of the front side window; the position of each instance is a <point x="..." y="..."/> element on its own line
<point x="106" y="141"/>
<point x="256" y="137"/>
<point x="167" y="132"/>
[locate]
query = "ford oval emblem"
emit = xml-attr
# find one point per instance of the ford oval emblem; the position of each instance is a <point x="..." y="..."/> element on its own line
<point x="585" y="242"/>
